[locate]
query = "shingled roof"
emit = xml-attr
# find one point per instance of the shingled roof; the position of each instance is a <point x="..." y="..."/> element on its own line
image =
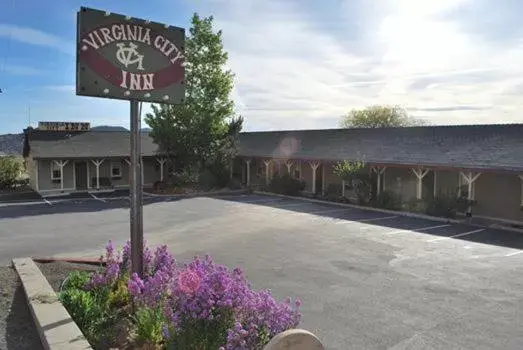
<point x="87" y="144"/>
<point x="465" y="146"/>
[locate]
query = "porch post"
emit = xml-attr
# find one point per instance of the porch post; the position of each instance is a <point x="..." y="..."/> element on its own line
<point x="97" y="164"/>
<point x="469" y="178"/>
<point x="61" y="164"/>
<point x="289" y="166"/>
<point x="420" y="174"/>
<point x="314" y="166"/>
<point x="36" y="174"/>
<point x="267" y="165"/>
<point x="162" y="162"/>
<point x="248" y="163"/>
<point x="380" y="171"/>
<point x="521" y="178"/>
<point x="435" y="183"/>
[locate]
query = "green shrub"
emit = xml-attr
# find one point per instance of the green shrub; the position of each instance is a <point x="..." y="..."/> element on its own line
<point x="415" y="205"/>
<point x="119" y="295"/>
<point x="287" y="185"/>
<point x="443" y="206"/>
<point x="387" y="200"/>
<point x="89" y="311"/>
<point x="10" y="171"/>
<point x="76" y="280"/>
<point x="149" y="325"/>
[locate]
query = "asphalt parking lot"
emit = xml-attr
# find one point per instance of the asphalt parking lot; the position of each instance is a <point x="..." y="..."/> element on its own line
<point x="368" y="280"/>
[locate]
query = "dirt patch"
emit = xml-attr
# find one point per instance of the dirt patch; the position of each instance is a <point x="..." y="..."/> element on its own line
<point x="57" y="272"/>
<point x="17" y="329"/>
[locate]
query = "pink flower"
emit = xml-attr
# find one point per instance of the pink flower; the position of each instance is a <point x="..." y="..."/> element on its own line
<point x="188" y="281"/>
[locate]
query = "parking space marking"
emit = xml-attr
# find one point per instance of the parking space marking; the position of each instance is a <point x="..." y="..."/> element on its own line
<point x="418" y="229"/>
<point x="325" y="211"/>
<point x="515" y="253"/>
<point x="97" y="198"/>
<point x="377" y="219"/>
<point x="456" y="236"/>
<point x="259" y="200"/>
<point x="47" y="202"/>
<point x="294" y="205"/>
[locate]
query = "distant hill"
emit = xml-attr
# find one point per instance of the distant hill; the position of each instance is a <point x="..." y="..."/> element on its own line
<point x="108" y="128"/>
<point x="11" y="144"/>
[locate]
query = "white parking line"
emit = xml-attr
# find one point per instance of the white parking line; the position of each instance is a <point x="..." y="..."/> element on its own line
<point x="47" y="202"/>
<point x="99" y="199"/>
<point x="515" y="253"/>
<point x="456" y="236"/>
<point x="377" y="219"/>
<point x="325" y="211"/>
<point x="283" y="206"/>
<point x="259" y="200"/>
<point x="418" y="229"/>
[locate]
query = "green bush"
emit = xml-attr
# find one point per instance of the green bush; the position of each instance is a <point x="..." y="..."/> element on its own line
<point x="90" y="312"/>
<point x="10" y="170"/>
<point x="415" y="205"/>
<point x="149" y="325"/>
<point x="443" y="206"/>
<point x="76" y="280"/>
<point x="387" y="200"/>
<point x="287" y="185"/>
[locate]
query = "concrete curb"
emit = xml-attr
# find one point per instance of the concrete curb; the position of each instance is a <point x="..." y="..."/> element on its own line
<point x="56" y="328"/>
<point x="346" y="205"/>
<point x="506" y="228"/>
<point x="196" y="194"/>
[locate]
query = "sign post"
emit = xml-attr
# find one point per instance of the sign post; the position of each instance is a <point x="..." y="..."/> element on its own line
<point x="121" y="57"/>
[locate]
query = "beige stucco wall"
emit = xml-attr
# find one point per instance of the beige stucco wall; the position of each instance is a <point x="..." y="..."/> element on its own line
<point x="44" y="176"/>
<point x="498" y="195"/>
<point x="32" y="171"/>
<point x="447" y="182"/>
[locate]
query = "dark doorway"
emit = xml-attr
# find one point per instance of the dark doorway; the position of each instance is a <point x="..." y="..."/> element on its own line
<point x="80" y="169"/>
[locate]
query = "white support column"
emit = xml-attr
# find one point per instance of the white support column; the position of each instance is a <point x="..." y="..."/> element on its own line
<point x="380" y="171"/>
<point x="161" y="161"/>
<point x="36" y="162"/>
<point x="248" y="163"/>
<point x="521" y="178"/>
<point x="314" y="166"/>
<point x="97" y="164"/>
<point x="435" y="183"/>
<point x="420" y="174"/>
<point x="267" y="168"/>
<point x="289" y="165"/>
<point x="61" y="164"/>
<point x="469" y="179"/>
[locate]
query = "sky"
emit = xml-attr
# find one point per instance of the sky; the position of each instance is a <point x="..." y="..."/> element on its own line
<point x="298" y="64"/>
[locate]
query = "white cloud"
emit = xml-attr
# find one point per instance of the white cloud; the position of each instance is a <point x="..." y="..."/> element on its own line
<point x="20" y="70"/>
<point x="291" y="72"/>
<point x="35" y="37"/>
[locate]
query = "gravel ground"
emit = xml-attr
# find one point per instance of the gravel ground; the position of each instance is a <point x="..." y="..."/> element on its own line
<point x="56" y="272"/>
<point x="17" y="330"/>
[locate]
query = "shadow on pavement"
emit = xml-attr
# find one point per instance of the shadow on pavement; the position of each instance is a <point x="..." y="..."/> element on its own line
<point x="432" y="229"/>
<point x="71" y="205"/>
<point x="20" y="330"/>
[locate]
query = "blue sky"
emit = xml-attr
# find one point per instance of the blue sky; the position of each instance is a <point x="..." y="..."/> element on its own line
<point x="298" y="63"/>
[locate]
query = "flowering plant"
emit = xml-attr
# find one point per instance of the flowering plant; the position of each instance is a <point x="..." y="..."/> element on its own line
<point x="198" y="305"/>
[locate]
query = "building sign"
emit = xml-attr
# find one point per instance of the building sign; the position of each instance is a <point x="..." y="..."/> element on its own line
<point x="64" y="126"/>
<point x="127" y="58"/>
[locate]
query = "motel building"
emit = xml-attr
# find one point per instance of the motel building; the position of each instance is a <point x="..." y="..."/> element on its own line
<point x="485" y="162"/>
<point x="64" y="158"/>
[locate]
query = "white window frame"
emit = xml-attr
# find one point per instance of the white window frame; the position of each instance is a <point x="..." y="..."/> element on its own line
<point x="56" y="167"/>
<point x="116" y="166"/>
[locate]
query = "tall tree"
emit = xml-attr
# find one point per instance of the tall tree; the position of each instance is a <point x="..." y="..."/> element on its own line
<point x="378" y="117"/>
<point x="194" y="131"/>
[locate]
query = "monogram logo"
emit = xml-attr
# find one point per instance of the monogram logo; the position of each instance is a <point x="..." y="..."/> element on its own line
<point x="129" y="55"/>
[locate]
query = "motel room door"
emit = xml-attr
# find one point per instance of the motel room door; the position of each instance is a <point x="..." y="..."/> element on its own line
<point x="80" y="169"/>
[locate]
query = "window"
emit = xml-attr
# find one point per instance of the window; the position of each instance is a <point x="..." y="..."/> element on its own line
<point x="56" y="172"/>
<point x="116" y="170"/>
